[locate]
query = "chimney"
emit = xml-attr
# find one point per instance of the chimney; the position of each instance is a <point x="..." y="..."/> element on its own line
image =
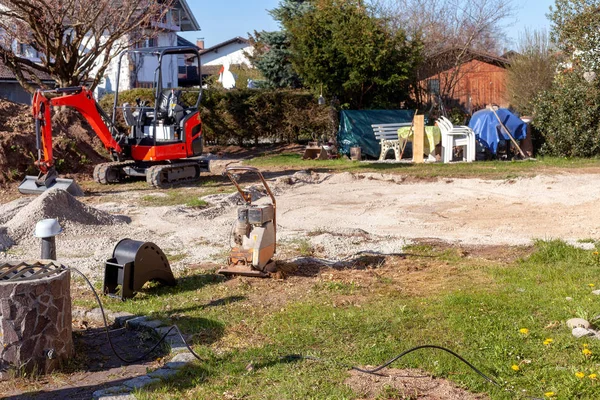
<point x="200" y="43"/>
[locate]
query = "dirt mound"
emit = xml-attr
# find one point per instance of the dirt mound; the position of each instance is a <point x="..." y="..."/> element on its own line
<point x="56" y="203"/>
<point x="406" y="384"/>
<point x="76" y="147"/>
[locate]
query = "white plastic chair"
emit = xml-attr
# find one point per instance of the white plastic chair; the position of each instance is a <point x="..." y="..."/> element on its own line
<point x="456" y="136"/>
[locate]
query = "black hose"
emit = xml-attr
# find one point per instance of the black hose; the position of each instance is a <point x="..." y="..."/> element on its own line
<point x="426" y="346"/>
<point x="162" y="339"/>
<point x="291" y="356"/>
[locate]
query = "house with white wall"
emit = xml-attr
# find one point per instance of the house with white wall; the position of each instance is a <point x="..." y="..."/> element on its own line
<point x="230" y="52"/>
<point x="138" y="71"/>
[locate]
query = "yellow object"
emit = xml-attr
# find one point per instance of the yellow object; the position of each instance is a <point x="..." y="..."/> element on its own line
<point x="433" y="136"/>
<point x="515" y="367"/>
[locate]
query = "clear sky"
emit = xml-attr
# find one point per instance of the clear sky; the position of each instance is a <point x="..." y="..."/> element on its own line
<point x="531" y="14"/>
<point x="221" y="20"/>
<point x="226" y="19"/>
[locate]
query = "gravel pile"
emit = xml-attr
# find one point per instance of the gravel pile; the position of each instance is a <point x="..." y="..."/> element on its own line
<point x="8" y="210"/>
<point x="55" y="203"/>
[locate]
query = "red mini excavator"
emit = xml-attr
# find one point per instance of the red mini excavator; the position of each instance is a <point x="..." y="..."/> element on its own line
<point x="164" y="142"/>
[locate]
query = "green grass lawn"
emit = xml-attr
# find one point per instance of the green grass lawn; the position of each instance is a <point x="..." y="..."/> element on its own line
<point x="483" y="169"/>
<point x="500" y="311"/>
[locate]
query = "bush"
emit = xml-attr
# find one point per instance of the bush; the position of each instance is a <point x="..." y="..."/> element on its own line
<point x="245" y="116"/>
<point x="568" y="117"/>
<point x="250" y="115"/>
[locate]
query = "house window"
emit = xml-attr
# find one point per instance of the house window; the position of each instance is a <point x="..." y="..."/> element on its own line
<point x="144" y="85"/>
<point x="433" y="86"/>
<point x="150" y="42"/>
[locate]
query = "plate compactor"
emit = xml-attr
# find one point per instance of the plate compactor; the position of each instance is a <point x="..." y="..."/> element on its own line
<point x="254" y="233"/>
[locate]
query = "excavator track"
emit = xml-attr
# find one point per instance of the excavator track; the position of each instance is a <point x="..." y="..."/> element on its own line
<point x="164" y="176"/>
<point x="111" y="172"/>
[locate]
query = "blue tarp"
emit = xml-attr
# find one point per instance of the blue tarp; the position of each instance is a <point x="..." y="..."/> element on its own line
<point x="355" y="128"/>
<point x="488" y="130"/>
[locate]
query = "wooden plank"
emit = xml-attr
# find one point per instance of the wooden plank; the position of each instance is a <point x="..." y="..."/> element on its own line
<point x="419" y="139"/>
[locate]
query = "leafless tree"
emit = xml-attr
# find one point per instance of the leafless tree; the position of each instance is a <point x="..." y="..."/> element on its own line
<point x="75" y="39"/>
<point x="531" y="71"/>
<point x="457" y="25"/>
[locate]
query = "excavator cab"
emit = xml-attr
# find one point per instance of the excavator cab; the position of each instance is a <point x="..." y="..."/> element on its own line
<point x="161" y="123"/>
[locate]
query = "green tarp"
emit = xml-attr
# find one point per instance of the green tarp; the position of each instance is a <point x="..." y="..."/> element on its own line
<point x="355" y="128"/>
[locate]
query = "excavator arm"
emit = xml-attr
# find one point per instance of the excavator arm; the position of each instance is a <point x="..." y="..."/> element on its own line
<point x="80" y="99"/>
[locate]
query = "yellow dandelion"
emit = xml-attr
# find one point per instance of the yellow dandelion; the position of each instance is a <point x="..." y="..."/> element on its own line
<point x="591" y="285"/>
<point x="586" y="352"/>
<point x="515" y="367"/>
<point x="596" y="253"/>
<point x="548" y="342"/>
<point x="593" y="376"/>
<point x="549" y="394"/>
<point x="580" y="375"/>
<point x="524" y="331"/>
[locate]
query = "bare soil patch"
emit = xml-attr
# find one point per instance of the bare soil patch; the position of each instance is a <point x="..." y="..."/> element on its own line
<point x="406" y="384"/>
<point x="76" y="147"/>
<point x="93" y="368"/>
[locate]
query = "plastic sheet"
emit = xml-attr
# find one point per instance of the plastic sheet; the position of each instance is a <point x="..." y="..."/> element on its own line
<point x="489" y="131"/>
<point x="355" y="128"/>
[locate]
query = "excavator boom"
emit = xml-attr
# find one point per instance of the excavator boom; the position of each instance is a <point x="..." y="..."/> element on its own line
<point x="82" y="100"/>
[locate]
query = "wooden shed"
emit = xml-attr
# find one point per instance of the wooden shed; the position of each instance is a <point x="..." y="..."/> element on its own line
<point x="464" y="78"/>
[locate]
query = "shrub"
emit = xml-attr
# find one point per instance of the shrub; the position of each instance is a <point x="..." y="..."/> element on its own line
<point x="245" y="116"/>
<point x="568" y="117"/>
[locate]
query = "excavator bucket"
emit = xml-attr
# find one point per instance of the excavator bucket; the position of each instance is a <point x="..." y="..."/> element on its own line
<point x="35" y="185"/>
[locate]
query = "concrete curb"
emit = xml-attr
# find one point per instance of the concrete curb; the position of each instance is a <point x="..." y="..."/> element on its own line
<point x="121" y="319"/>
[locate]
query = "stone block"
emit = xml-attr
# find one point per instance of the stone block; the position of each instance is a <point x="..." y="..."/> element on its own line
<point x="163" y="373"/>
<point x="151" y="324"/>
<point x="32" y="325"/>
<point x="578" y="323"/>
<point x="112" y="392"/>
<point x="140" y="382"/>
<point x="134" y="323"/>
<point x="121" y="317"/>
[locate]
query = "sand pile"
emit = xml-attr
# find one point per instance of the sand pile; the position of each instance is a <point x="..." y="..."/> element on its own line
<point x="56" y="203"/>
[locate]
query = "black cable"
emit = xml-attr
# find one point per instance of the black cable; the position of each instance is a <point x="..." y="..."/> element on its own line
<point x="287" y="357"/>
<point x="162" y="339"/>
<point x="426" y="346"/>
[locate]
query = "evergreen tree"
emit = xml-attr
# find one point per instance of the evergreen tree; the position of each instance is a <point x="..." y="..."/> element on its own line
<point x="272" y="54"/>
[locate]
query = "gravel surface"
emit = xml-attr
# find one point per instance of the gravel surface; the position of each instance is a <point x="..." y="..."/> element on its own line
<point x="339" y="215"/>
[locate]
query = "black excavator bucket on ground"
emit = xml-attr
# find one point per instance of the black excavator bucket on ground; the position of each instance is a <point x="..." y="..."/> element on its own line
<point x="132" y="265"/>
<point x="39" y="184"/>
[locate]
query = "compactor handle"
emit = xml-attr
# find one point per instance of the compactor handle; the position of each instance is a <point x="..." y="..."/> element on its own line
<point x="246" y="196"/>
<point x="229" y="172"/>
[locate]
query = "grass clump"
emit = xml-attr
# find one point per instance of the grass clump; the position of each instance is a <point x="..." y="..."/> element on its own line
<point x="505" y="170"/>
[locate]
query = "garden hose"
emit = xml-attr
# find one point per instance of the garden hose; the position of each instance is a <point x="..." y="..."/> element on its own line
<point x="287" y="357"/>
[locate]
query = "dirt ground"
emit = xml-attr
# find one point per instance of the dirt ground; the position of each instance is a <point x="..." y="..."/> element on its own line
<point x="336" y="219"/>
<point x="340" y="215"/>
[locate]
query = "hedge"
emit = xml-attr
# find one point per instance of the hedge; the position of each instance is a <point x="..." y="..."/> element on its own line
<point x="245" y="116"/>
